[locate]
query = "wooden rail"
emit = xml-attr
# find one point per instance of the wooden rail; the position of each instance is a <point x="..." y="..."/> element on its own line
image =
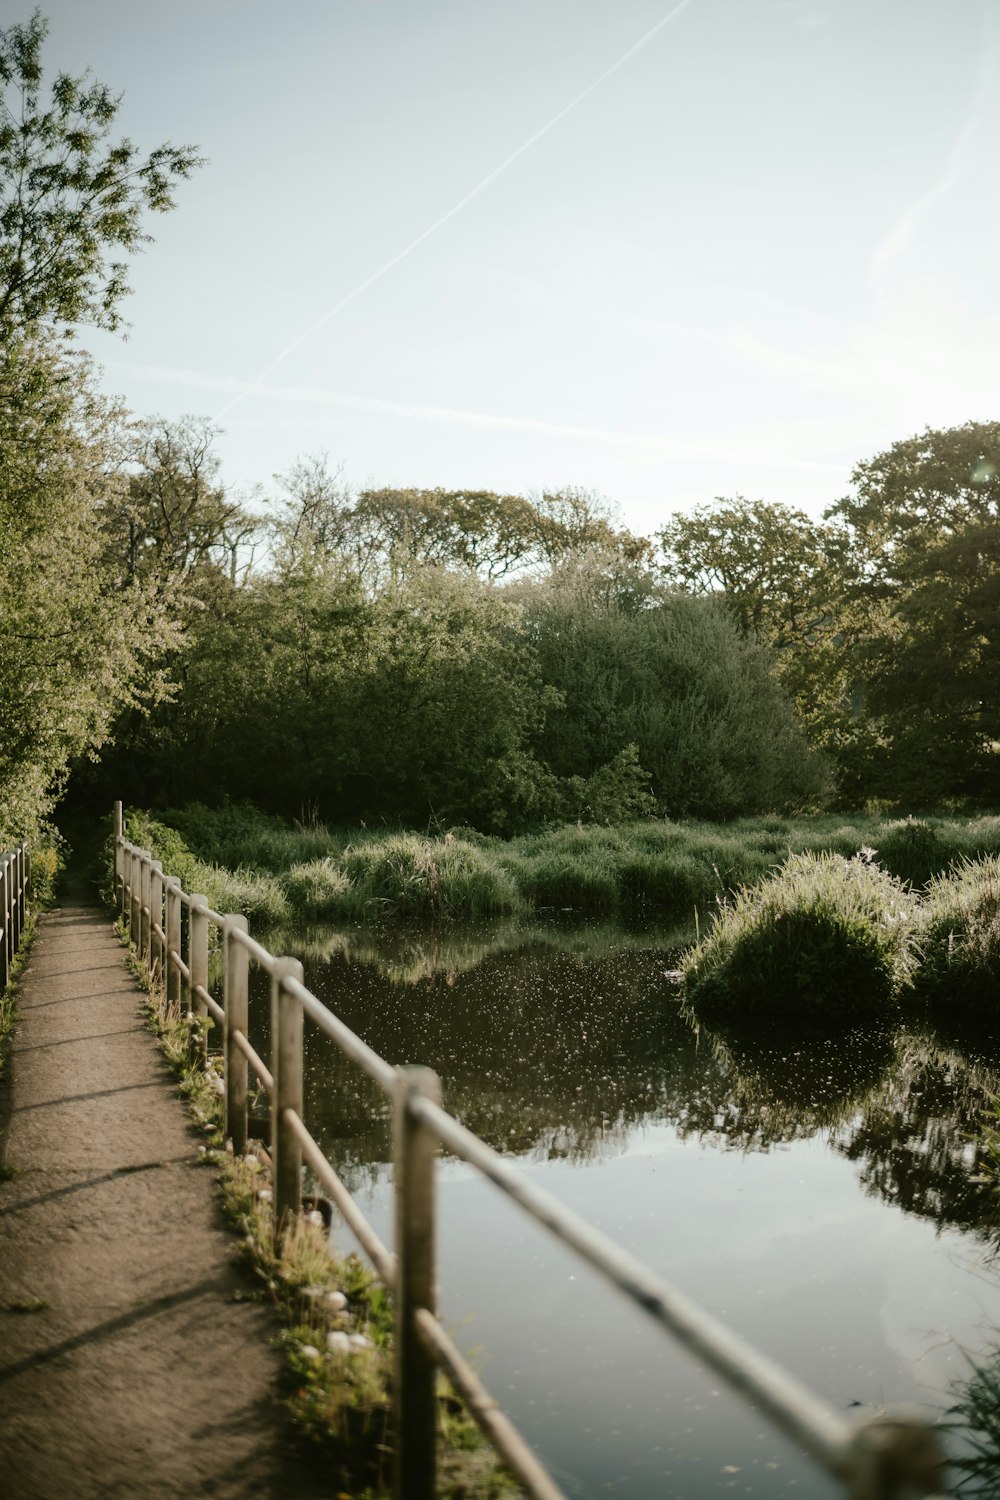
<point x="15" y="884"/>
<point x="887" y="1456"/>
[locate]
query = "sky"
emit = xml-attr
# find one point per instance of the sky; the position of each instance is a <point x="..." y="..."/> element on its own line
<point x="664" y="250"/>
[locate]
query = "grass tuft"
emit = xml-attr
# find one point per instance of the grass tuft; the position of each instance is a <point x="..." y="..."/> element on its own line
<point x="825" y="936"/>
<point x="960" y="935"/>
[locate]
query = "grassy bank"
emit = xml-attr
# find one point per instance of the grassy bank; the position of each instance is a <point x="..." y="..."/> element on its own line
<point x="244" y="860"/>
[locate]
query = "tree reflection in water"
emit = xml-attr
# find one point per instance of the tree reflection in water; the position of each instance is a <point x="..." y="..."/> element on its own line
<point x="560" y="1042"/>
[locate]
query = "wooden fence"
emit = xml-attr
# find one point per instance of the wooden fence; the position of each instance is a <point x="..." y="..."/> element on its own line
<point x="15" y="878"/>
<point x="886" y="1456"/>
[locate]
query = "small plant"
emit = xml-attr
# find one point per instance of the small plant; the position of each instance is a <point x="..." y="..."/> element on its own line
<point x="960" y="934"/>
<point x="825" y="935"/>
<point x="974" y="1420"/>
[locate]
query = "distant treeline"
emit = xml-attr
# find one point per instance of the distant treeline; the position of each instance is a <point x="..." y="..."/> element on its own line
<point x="433" y="657"/>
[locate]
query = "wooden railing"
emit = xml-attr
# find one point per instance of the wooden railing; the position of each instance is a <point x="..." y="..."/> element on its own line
<point x="15" y="879"/>
<point x="879" y="1457"/>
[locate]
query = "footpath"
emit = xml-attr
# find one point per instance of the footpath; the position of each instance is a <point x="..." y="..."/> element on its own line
<point x="129" y="1365"/>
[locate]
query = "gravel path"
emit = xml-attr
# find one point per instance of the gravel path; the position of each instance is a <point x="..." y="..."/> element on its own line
<point x="126" y="1366"/>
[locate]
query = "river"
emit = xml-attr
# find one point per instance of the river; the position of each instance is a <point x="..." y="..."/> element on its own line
<point x="816" y="1193"/>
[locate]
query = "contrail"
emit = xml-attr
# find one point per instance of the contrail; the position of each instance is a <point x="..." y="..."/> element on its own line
<point x="349" y="401"/>
<point x="480" y="187"/>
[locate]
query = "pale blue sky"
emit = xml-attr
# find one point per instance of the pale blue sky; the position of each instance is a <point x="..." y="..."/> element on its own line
<point x="760" y="249"/>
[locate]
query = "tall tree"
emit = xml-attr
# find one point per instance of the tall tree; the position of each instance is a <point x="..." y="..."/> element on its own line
<point x="71" y="198"/>
<point x="924" y="526"/>
<point x="175" y="518"/>
<point x="79" y="641"/>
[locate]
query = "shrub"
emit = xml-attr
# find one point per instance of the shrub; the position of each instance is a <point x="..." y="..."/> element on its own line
<point x="412" y="877"/>
<point x="912" y="850"/>
<point x="826" y="935"/>
<point x="317" y="890"/>
<point x="960" y="934"/>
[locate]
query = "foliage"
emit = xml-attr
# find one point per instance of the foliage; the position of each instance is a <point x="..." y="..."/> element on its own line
<point x="406" y="876"/>
<point x="70" y="197"/>
<point x="260" y="897"/>
<point x="413" y="704"/>
<point x="78" y="641"/>
<point x="824" y="935"/>
<point x="174" y="519"/>
<point x="924" y="523"/>
<point x="975" y="1420"/>
<point x="669" y="675"/>
<point x="960" y="935"/>
<point x="383" y="534"/>
<point x="652" y="865"/>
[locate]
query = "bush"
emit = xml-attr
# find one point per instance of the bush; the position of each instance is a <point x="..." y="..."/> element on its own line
<point x="407" y="876"/>
<point x="826" y="935"/>
<point x="258" y="897"/>
<point x="912" y="850"/>
<point x="960" y="934"/>
<point x="317" y="890"/>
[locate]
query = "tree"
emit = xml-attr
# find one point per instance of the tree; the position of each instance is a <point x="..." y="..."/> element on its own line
<point x="924" y="527"/>
<point x="70" y="197"/>
<point x="78" y="641"/>
<point x="175" y="520"/>
<point x="637" y="665"/>
<point x="771" y="565"/>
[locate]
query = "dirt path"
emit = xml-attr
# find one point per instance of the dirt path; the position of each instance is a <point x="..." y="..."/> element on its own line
<point x="139" y="1374"/>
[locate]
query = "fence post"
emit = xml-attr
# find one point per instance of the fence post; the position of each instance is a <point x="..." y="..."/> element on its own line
<point x="172" y="973"/>
<point x="414" y="1154"/>
<point x="198" y="963"/>
<point x="5" y="953"/>
<point x="17" y="901"/>
<point x="895" y="1454"/>
<point x="235" y="989"/>
<point x="145" y="907"/>
<point x="286" y="1065"/>
<point x="135" y="893"/>
<point x="119" y="821"/>
<point x="12" y="906"/>
<point x="155" y="920"/>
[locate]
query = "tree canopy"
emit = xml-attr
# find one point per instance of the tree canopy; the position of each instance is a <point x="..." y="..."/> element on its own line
<point x="71" y="197"/>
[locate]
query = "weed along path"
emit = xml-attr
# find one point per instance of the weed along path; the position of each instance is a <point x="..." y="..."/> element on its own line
<point x="129" y="1366"/>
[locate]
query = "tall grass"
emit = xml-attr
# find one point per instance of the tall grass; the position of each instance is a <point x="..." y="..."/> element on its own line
<point x="662" y="869"/>
<point x="960" y="934"/>
<point x="825" y="935"/>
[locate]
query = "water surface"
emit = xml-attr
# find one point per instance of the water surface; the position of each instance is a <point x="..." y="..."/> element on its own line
<point x="817" y="1193"/>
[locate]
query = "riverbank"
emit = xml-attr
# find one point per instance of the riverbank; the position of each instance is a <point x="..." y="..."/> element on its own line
<point x="275" y="872"/>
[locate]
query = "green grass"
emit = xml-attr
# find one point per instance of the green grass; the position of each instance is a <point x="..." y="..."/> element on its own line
<point x="825" y="936"/>
<point x="960" y="935"/>
<point x="272" y="871"/>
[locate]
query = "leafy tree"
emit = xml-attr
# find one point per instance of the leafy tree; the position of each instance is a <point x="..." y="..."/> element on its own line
<point x="306" y="690"/>
<point x="924" y="527"/>
<point x="670" y="675"/>
<point x="770" y="563"/>
<point x="783" y="578"/>
<point x="78" y="642"/>
<point x="71" y="198"/>
<point x="175" y="520"/>
<point x="385" y="533"/>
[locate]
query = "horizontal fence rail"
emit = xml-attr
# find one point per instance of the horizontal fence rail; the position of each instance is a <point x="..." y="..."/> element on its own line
<point x="887" y="1456"/>
<point x="15" y="884"/>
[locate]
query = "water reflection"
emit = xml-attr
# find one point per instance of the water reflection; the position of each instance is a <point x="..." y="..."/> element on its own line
<point x="917" y="1143"/>
<point x="550" y="1047"/>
